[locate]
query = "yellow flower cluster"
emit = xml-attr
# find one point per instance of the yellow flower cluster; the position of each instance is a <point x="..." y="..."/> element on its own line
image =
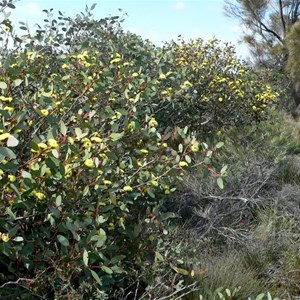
<point x="4" y="237"/>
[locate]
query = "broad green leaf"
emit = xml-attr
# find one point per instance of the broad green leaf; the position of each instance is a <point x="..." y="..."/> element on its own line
<point x="116" y="136"/>
<point x="10" y="213"/>
<point x="17" y="82"/>
<point x="107" y="270"/>
<point x="260" y="296"/>
<point x="223" y="170"/>
<point x="96" y="277"/>
<point x="58" y="200"/>
<point x="63" y="240"/>
<point x="12" y="142"/>
<point x="188" y="159"/>
<point x="220" y="183"/>
<point x="180" y="148"/>
<point x="3" y="85"/>
<point x="6" y="152"/>
<point x="219" y="145"/>
<point x="26" y="174"/>
<point x="85" y="257"/>
<point x="63" y="128"/>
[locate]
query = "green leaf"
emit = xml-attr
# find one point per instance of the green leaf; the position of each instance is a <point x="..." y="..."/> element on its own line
<point x="58" y="200"/>
<point x="180" y="148"/>
<point x="6" y="152"/>
<point x="96" y="277"/>
<point x="85" y="257"/>
<point x="219" y="145"/>
<point x="63" y="240"/>
<point x="100" y="238"/>
<point x="107" y="270"/>
<point x="269" y="296"/>
<point x="220" y="183"/>
<point x="260" y="296"/>
<point x="10" y="213"/>
<point x="188" y="159"/>
<point x="3" y="85"/>
<point x="12" y="142"/>
<point x="158" y="257"/>
<point x="79" y="133"/>
<point x="116" y="136"/>
<point x="63" y="128"/>
<point x="181" y="271"/>
<point x="223" y="170"/>
<point x="26" y="174"/>
<point x="17" y="82"/>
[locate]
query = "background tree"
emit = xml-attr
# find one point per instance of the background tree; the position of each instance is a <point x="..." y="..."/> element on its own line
<point x="267" y="24"/>
<point x="292" y="47"/>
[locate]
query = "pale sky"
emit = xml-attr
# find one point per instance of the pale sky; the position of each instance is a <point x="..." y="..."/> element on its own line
<point x="156" y="20"/>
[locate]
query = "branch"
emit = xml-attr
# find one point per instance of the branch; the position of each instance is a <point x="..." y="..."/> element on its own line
<point x="282" y="17"/>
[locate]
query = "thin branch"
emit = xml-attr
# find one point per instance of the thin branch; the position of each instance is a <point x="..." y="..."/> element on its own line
<point x="281" y="16"/>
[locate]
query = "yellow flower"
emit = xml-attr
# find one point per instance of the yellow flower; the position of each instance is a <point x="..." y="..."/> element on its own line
<point x="187" y="84"/>
<point x="127" y="188"/>
<point x="4" y="99"/>
<point x="1" y="172"/>
<point x="107" y="182"/>
<point x="154" y="183"/>
<point x="135" y="74"/>
<point x="53" y="143"/>
<point x="6" y="28"/>
<point x="4" y="136"/>
<point x="162" y="76"/>
<point x="11" y="178"/>
<point x="144" y="151"/>
<point x="89" y="163"/>
<point x="220" y="99"/>
<point x="48" y="171"/>
<point x="39" y="195"/>
<point x="153" y="123"/>
<point x="96" y="139"/>
<point x="87" y="144"/>
<point x="116" y="60"/>
<point x="9" y="109"/>
<point x="71" y="140"/>
<point x="65" y="66"/>
<point x="44" y="112"/>
<point x="111" y="226"/>
<point x="194" y="148"/>
<point x="183" y="164"/>
<point x="5" y="237"/>
<point x="42" y="145"/>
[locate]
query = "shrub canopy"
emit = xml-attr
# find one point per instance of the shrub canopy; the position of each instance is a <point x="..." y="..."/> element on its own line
<point x="94" y="134"/>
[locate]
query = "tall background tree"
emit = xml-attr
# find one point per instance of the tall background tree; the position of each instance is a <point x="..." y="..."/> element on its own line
<point x="271" y="36"/>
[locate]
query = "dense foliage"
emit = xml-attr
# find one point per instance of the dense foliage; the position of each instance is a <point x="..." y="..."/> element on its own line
<point x="94" y="136"/>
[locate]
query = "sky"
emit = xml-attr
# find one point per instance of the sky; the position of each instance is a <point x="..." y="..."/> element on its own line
<point x="156" y="20"/>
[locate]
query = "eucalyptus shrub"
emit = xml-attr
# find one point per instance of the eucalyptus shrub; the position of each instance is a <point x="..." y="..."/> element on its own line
<point x="213" y="89"/>
<point x="84" y="160"/>
<point x="86" y="156"/>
